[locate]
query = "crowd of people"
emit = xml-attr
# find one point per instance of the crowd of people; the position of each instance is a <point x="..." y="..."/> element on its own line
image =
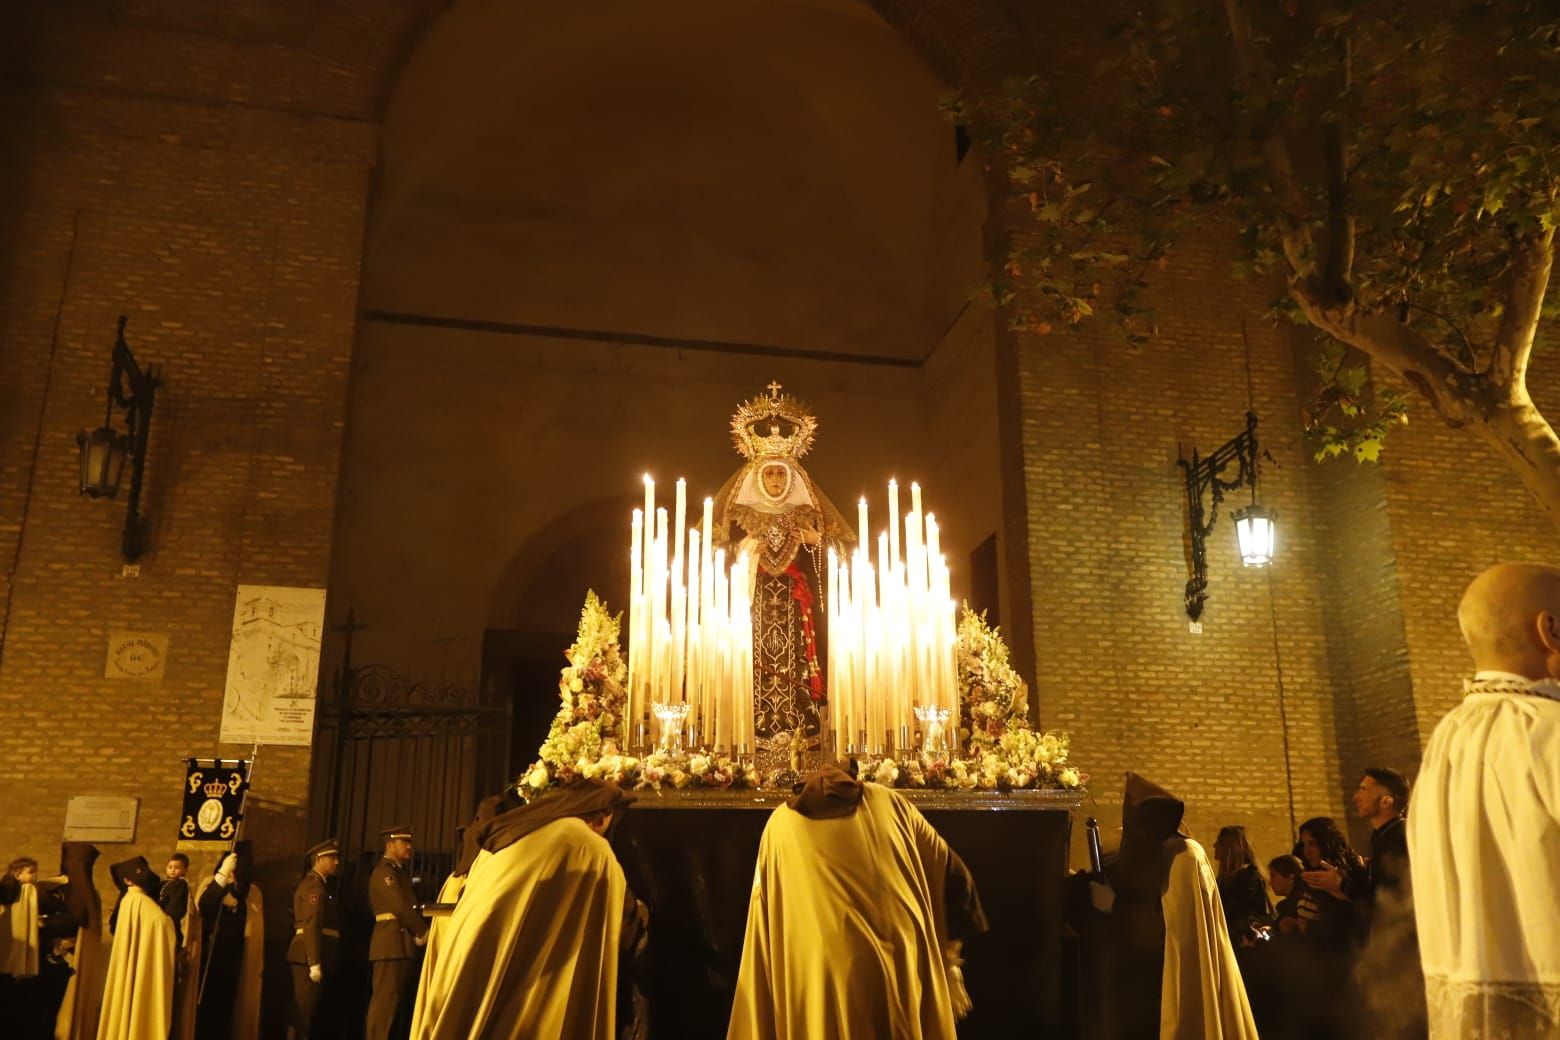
<point x="1332" y="951"/>
<point x="859" y="910"/>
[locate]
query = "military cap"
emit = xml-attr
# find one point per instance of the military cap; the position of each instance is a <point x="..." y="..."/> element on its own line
<point x="400" y="830"/>
<point x="328" y="847"/>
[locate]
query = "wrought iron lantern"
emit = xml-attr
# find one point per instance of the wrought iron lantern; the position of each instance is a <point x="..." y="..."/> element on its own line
<point x="104" y="451"/>
<point x="102" y="461"/>
<point x="1208" y="479"/>
<point x="1255" y="533"/>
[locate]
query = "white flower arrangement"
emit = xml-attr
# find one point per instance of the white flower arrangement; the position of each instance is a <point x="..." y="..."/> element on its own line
<point x="999" y="749"/>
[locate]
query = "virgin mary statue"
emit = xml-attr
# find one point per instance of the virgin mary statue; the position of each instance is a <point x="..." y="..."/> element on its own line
<point x="772" y="510"/>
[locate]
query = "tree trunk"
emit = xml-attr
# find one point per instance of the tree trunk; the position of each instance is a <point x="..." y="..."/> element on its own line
<point x="1528" y="445"/>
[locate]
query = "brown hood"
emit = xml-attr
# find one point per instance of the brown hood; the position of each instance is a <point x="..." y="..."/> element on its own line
<point x="828" y="794"/>
<point x="583" y="798"/>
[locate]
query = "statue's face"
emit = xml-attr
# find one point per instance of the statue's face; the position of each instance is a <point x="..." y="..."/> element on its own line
<point x="775" y="479"/>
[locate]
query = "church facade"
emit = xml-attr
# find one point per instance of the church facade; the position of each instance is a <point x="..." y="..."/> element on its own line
<point x="425" y="312"/>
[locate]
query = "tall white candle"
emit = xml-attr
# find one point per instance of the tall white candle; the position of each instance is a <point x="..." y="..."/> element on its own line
<point x="636" y="621"/>
<point x="893" y="522"/>
<point x="692" y="677"/>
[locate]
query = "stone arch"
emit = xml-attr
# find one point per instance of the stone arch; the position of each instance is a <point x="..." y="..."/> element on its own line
<point x="543" y="585"/>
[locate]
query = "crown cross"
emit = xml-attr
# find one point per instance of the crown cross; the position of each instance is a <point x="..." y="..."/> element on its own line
<point x="775" y="425"/>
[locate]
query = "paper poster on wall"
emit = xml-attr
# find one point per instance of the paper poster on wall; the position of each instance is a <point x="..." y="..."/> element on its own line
<point x="273" y="665"/>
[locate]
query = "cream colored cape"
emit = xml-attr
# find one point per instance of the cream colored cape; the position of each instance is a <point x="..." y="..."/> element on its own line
<point x="186" y="989"/>
<point x="138" y="991"/>
<point x="532" y="947"/>
<point x="246" y="998"/>
<point x="78" y="1016"/>
<point x="438" y="927"/>
<point x="19" y="934"/>
<point x="846" y="927"/>
<point x="1484" y="849"/>
<point x="1204" y="997"/>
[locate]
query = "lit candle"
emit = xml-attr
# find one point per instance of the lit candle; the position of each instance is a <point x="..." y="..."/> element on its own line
<point x="682" y="518"/>
<point x="915" y="498"/>
<point x="636" y="619"/>
<point x="692" y="677"/>
<point x="893" y="521"/>
<point x="723" y="650"/>
<point x="861" y="524"/>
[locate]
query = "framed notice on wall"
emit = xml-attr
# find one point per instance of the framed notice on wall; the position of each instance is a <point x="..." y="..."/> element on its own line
<point x="273" y="665"/>
<point x="101" y="818"/>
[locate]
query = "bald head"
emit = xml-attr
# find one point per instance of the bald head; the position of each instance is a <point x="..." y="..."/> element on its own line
<point x="1510" y="617"/>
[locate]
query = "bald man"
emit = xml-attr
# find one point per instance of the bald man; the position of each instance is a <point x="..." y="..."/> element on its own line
<point x="1484" y="827"/>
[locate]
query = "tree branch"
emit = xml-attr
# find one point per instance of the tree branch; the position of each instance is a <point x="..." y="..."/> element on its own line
<point x="1288" y="202"/>
<point x="1458" y="395"/>
<point x="1532" y="259"/>
<point x="1339" y="268"/>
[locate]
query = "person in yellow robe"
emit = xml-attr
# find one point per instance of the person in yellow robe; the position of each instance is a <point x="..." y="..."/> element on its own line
<point x="849" y="930"/>
<point x="138" y="990"/>
<point x="1168" y="921"/>
<point x="532" y="947"/>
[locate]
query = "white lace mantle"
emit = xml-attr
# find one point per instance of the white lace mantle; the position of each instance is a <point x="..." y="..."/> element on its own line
<point x="1492" y="1010"/>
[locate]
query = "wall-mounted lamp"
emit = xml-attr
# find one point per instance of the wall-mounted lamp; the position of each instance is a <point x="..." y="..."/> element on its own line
<point x="104" y="450"/>
<point x="1207" y="479"/>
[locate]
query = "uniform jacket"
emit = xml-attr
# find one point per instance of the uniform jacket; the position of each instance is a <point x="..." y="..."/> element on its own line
<point x="316" y="924"/>
<point x="390" y="893"/>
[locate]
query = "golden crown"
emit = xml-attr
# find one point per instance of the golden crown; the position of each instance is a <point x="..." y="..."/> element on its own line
<point x="215" y="789"/>
<point x="773" y="425"/>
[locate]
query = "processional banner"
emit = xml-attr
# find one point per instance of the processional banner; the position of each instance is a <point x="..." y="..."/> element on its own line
<point x="214" y="792"/>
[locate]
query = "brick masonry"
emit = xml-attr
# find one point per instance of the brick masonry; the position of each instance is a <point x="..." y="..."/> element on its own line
<point x="207" y="174"/>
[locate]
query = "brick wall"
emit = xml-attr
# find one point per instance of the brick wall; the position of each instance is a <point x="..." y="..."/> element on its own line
<point x="204" y="172"/>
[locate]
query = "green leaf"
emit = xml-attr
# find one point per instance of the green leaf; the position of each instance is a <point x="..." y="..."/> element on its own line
<point x="1368" y="450"/>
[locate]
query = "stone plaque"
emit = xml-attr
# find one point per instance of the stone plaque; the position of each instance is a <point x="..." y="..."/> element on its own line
<point x="101" y="818"/>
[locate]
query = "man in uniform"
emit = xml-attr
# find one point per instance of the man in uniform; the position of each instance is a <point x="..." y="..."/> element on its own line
<point x="316" y="930"/>
<point x="398" y="931"/>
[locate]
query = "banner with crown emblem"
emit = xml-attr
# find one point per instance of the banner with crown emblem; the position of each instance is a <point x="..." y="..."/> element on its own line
<point x="214" y="792"/>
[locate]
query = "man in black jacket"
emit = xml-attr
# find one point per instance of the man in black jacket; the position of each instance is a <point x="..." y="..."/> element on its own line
<point x="1382" y="896"/>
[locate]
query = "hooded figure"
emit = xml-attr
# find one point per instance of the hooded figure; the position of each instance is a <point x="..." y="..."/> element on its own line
<point x="491" y="806"/>
<point x="78" y="1013"/>
<point x="534" y="944"/>
<point x="232" y="927"/>
<point x="1168" y="926"/>
<point x="855" y="923"/>
<point x="138" y="990"/>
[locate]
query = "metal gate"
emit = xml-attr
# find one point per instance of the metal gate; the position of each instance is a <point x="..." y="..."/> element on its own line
<point x="392" y="750"/>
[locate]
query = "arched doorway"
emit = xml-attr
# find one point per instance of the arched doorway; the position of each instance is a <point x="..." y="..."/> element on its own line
<point x="534" y="608"/>
<point x="595" y="230"/>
